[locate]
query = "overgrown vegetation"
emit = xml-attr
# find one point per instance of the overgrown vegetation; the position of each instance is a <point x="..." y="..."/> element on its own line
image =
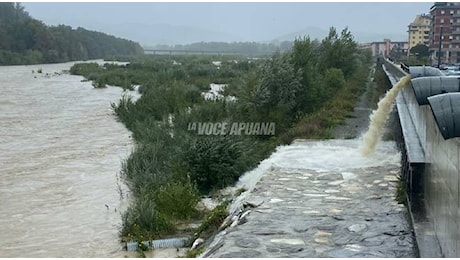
<point x="25" y="40"/>
<point x="304" y="92"/>
<point x="382" y="83"/>
<point x="213" y="221"/>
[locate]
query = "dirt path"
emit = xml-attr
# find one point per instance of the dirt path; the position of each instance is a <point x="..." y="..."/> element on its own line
<point x="358" y="121"/>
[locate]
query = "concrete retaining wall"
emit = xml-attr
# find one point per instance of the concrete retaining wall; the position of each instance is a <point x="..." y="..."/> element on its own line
<point x="440" y="176"/>
<point x="441" y="185"/>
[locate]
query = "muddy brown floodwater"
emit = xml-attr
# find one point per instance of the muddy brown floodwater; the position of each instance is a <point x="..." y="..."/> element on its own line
<point x="61" y="150"/>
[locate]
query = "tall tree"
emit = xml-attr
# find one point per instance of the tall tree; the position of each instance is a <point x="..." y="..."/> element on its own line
<point x="338" y="51"/>
<point x="420" y="50"/>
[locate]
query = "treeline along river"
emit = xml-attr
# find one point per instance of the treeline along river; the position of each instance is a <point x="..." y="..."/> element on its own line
<point x="61" y="150"/>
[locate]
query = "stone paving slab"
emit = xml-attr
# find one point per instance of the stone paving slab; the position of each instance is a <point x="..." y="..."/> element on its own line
<point x="305" y="213"/>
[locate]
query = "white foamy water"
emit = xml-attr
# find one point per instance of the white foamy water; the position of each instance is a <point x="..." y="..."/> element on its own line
<point x="335" y="156"/>
<point x="215" y="93"/>
<point x="323" y="156"/>
<point x="60" y="152"/>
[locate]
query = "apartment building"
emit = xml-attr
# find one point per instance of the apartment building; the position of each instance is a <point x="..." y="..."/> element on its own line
<point x="445" y="33"/>
<point x="384" y="48"/>
<point x="419" y="31"/>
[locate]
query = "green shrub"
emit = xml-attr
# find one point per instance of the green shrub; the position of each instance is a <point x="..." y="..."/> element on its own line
<point x="85" y="69"/>
<point x="213" y="221"/>
<point x="177" y="200"/>
<point x="123" y="110"/>
<point x="148" y="167"/>
<point x="142" y="221"/>
<point x="100" y="83"/>
<point x="212" y="162"/>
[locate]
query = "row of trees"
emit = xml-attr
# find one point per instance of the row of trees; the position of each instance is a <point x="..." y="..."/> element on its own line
<point x="298" y="82"/>
<point x="418" y="55"/>
<point x="250" y="48"/>
<point x="25" y="40"/>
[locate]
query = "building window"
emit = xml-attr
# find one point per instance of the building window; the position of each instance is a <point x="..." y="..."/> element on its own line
<point x="442" y="21"/>
<point x="442" y="11"/>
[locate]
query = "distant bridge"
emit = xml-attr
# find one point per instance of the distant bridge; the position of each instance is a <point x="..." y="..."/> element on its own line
<point x="206" y="52"/>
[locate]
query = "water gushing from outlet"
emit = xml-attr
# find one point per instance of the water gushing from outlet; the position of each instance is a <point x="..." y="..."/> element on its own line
<point x="379" y="117"/>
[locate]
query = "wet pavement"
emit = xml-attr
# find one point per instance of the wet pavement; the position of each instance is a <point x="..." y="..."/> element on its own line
<point x="320" y="199"/>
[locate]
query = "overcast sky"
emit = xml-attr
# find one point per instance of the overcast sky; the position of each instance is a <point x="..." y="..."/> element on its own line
<point x="251" y="21"/>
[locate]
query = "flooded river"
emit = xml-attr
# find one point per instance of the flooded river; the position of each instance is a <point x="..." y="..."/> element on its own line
<point x="60" y="154"/>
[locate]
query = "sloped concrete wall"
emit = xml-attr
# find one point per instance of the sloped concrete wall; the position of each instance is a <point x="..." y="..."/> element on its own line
<point x="441" y="185"/>
<point x="441" y="181"/>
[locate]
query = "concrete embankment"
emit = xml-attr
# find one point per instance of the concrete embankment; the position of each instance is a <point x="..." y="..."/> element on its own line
<point x="321" y="199"/>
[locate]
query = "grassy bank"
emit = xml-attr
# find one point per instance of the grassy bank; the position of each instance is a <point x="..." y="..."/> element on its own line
<point x="173" y="165"/>
<point x="320" y="123"/>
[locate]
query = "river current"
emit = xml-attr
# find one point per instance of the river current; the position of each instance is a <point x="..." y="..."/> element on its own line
<point x="61" y="150"/>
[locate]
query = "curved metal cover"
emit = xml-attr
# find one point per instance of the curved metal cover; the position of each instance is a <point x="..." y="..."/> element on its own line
<point x="446" y="112"/>
<point x="431" y="86"/>
<point x="424" y="71"/>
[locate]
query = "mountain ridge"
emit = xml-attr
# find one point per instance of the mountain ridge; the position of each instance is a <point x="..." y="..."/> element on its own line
<point x="167" y="34"/>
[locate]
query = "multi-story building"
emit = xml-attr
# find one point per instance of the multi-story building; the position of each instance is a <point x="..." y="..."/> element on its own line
<point x="419" y="31"/>
<point x="384" y="48"/>
<point x="445" y="33"/>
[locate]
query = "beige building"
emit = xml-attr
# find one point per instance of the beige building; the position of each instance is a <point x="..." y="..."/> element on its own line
<point x="419" y="30"/>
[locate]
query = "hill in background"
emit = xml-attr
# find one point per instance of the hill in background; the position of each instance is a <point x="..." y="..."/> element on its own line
<point x="25" y="40"/>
